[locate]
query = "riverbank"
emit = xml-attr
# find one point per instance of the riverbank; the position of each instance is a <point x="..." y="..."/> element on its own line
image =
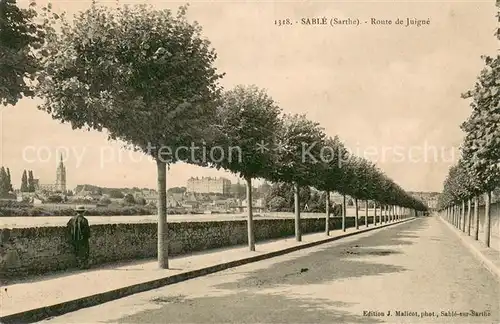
<point x="61" y="210"/>
<point x="51" y="221"/>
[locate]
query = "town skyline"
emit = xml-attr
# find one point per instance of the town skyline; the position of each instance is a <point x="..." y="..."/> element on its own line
<point x="408" y="88"/>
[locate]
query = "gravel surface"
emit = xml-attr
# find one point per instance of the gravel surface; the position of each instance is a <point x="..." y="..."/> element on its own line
<point x="419" y="269"/>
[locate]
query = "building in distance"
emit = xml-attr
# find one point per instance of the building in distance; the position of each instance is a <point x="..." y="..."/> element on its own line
<point x="209" y="185"/>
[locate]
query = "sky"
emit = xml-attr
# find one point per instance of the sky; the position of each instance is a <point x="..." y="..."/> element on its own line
<point x="391" y="93"/>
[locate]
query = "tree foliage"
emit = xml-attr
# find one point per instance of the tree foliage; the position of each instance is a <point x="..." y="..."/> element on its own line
<point x="21" y="35"/>
<point x="4" y="182"/>
<point x="481" y="148"/>
<point x="144" y="75"/>
<point x="31" y="181"/>
<point x="248" y="117"/>
<point x="24" y="182"/>
<point x="280" y="197"/>
<point x="297" y="157"/>
<point x="478" y="170"/>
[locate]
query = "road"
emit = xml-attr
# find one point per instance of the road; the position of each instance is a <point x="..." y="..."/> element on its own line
<point x="419" y="266"/>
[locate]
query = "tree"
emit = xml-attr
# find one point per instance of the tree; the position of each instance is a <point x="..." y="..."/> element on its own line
<point x="177" y="190"/>
<point x="481" y="149"/>
<point x="249" y="118"/>
<point x="117" y="194"/>
<point x="104" y="201"/>
<point x="20" y="35"/>
<point x="4" y="182"/>
<point x="238" y="190"/>
<point x="146" y="76"/>
<point x="55" y="199"/>
<point x="129" y="199"/>
<point x="298" y="155"/>
<point x="31" y="182"/>
<point x="277" y="203"/>
<point x="24" y="182"/>
<point x="264" y="189"/>
<point x="9" y="180"/>
<point x="285" y="191"/>
<point x="331" y="174"/>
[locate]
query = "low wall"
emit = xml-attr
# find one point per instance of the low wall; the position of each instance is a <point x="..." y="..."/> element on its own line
<point x="494" y="225"/>
<point x="40" y="250"/>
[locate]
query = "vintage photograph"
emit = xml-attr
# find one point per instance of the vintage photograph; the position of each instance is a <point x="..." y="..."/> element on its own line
<point x="230" y="161"/>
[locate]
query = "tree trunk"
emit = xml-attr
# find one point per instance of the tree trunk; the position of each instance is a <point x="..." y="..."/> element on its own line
<point x="251" y="237"/>
<point x="453" y="215"/>
<point x="344" y="212"/>
<point x="374" y="213"/>
<point x="366" y="213"/>
<point x="356" y="224"/>
<point x="327" y="219"/>
<point x="487" y="218"/>
<point x="469" y="213"/>
<point x="463" y="216"/>
<point x="476" y="217"/>
<point x="298" y="236"/>
<point x="162" y="215"/>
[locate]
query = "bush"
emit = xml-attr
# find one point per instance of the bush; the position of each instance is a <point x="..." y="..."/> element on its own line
<point x="104" y="201"/>
<point x="55" y="199"/>
<point x="15" y="204"/>
<point x="98" y="211"/>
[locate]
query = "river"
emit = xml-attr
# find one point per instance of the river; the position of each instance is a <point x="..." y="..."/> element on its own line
<point x="45" y="221"/>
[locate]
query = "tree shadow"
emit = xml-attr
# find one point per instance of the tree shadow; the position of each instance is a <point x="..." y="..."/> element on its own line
<point x="331" y="263"/>
<point x="246" y="307"/>
<point x="403" y="234"/>
<point x="248" y="300"/>
<point x="326" y="265"/>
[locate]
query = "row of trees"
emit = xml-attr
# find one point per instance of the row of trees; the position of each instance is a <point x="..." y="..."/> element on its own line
<point x="280" y="197"/>
<point x="147" y="78"/>
<point x="477" y="173"/>
<point x="5" y="182"/>
<point x="27" y="181"/>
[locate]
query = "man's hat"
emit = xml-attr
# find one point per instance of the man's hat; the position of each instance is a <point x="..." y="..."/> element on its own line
<point x="80" y="209"/>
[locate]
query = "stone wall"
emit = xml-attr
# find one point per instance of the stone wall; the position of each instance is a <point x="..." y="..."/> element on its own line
<point x="495" y="221"/>
<point x="29" y="251"/>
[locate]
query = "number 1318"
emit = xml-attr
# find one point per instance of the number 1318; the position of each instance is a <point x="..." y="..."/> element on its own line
<point x="282" y="22"/>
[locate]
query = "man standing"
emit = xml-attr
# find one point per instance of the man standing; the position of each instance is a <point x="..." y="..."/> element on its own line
<point x="79" y="232"/>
